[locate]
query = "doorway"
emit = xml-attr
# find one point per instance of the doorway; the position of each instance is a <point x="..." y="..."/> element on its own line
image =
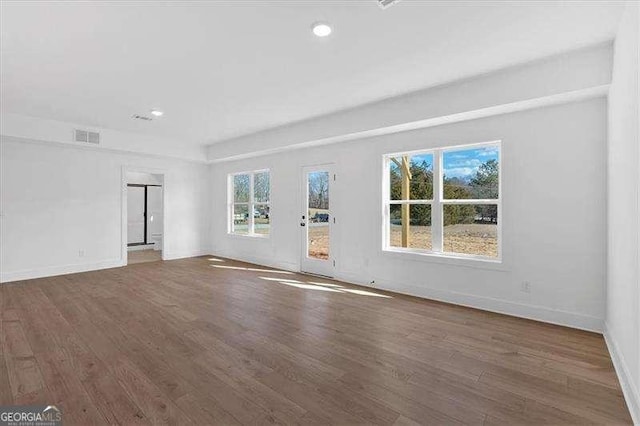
<point x="317" y="221"/>
<point x="144" y="217"/>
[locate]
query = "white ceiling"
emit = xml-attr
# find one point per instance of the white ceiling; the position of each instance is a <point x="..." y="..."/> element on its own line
<point x="224" y="69"/>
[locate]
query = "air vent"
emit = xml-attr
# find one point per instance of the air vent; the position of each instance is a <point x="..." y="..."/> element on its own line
<point x="86" y="136"/>
<point x="141" y="117"/>
<point x="386" y="3"/>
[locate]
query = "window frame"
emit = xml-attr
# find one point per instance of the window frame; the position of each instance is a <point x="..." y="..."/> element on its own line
<point x="251" y="204"/>
<point x="437" y="204"/>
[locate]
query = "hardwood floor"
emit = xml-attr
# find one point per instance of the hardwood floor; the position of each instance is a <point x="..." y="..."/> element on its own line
<point x="206" y="341"/>
<point x="142" y="256"/>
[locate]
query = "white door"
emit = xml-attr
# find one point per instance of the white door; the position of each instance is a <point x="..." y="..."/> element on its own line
<point x="135" y="214"/>
<point x="316" y="221"/>
<point x="154" y="213"/>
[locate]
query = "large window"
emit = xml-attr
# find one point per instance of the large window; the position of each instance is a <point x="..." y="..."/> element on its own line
<point x="249" y="203"/>
<point x="444" y="201"/>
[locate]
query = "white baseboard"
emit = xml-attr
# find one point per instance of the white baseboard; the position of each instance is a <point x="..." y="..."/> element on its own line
<point x="286" y="266"/>
<point x="184" y="254"/>
<point x="629" y="389"/>
<point x="532" y="312"/>
<point x="51" y="271"/>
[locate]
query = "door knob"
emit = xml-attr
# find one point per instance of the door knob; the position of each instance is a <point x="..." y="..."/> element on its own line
<point x="302" y="224"/>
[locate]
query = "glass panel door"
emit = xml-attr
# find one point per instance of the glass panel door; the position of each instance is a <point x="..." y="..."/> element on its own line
<point x="317" y="220"/>
<point x="318" y="213"/>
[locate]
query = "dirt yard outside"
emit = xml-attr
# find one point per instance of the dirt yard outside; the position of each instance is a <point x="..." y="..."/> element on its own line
<point x="319" y="241"/>
<point x="475" y="239"/>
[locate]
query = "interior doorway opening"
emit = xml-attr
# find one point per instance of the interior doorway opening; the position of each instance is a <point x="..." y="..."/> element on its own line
<point x="145" y="216"/>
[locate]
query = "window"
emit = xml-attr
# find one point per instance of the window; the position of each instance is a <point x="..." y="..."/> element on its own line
<point x="249" y="203"/>
<point x="444" y="201"/>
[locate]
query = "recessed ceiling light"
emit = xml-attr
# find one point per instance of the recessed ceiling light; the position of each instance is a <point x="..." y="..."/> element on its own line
<point x="156" y="112"/>
<point x="321" y="29"/>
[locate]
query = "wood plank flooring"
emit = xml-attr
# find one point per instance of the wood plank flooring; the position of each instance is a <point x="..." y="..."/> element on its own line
<point x="141" y="256"/>
<point x="214" y="341"/>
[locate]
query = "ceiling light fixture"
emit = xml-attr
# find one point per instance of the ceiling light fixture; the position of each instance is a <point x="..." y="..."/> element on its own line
<point x="157" y="113"/>
<point x="321" y="29"/>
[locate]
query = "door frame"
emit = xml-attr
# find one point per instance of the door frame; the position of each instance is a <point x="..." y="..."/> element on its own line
<point x="144" y="232"/>
<point x="318" y="267"/>
<point x="146" y="210"/>
<point x="124" y="254"/>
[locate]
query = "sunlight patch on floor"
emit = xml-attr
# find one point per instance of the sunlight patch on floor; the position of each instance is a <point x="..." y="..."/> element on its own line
<point x="329" y="287"/>
<point x="365" y="293"/>
<point x="310" y="287"/>
<point x="280" y="279"/>
<point x="325" y="284"/>
<point x="241" y="268"/>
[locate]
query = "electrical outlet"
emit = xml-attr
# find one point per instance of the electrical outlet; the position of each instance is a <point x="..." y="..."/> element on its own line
<point x="526" y="287"/>
<point x="80" y="253"/>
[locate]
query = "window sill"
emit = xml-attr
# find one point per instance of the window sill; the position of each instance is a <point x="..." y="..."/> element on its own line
<point x="447" y="259"/>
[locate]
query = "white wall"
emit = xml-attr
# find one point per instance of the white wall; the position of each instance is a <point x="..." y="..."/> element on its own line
<point x="623" y="294"/>
<point x="554" y="165"/>
<point x="57" y="200"/>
